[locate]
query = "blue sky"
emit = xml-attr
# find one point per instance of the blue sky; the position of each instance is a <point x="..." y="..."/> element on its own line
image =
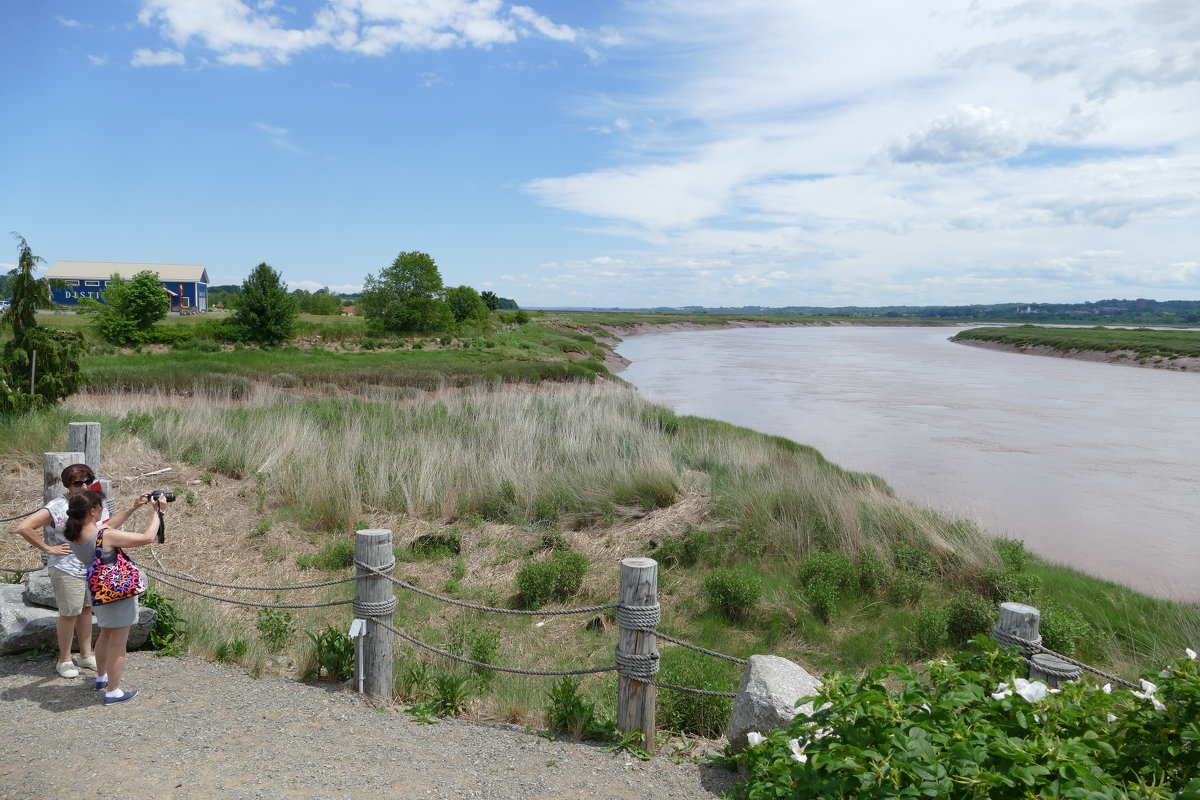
<point x="588" y="153"/>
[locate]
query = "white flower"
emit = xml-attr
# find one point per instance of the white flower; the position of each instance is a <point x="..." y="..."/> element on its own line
<point x="1106" y="688"/>
<point x="755" y="738"/>
<point x="797" y="753"/>
<point x="1112" y="718"/>
<point x="1190" y="653"/>
<point x="1031" y="690"/>
<point x="1147" y="693"/>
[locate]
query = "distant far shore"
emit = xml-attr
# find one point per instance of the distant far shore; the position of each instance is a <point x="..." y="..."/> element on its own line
<point x="1129" y="358"/>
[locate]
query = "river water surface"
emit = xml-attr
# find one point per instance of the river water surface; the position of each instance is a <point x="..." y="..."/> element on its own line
<point x="1093" y="465"/>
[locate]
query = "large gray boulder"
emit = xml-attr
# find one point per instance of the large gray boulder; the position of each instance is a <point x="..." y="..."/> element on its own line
<point x="38" y="589"/>
<point x="766" y="698"/>
<point x="24" y="626"/>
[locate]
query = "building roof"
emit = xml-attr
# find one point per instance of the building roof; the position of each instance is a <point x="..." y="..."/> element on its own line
<point x="106" y="269"/>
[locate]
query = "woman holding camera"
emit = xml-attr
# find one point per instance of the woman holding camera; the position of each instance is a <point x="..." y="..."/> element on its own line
<point x="67" y="574"/>
<point x="83" y="528"/>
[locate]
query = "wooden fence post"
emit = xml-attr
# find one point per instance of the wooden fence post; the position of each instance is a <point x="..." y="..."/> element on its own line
<point x="637" y="649"/>
<point x="52" y="466"/>
<point x="375" y="599"/>
<point x="1024" y="622"/>
<point x="84" y="437"/>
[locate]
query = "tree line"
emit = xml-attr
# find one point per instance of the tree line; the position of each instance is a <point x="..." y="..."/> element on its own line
<point x="40" y="366"/>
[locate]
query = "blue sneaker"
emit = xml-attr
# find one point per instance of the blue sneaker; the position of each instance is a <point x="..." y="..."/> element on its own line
<point x="100" y="685"/>
<point x="121" y="698"/>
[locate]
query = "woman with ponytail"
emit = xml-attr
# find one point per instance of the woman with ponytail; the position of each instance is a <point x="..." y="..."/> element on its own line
<point x="83" y="528"/>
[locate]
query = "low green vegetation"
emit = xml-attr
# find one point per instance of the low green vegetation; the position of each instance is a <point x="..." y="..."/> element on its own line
<point x="1139" y="343"/>
<point x="971" y="727"/>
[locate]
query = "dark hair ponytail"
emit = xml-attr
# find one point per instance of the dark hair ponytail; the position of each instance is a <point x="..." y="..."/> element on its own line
<point x="78" y="508"/>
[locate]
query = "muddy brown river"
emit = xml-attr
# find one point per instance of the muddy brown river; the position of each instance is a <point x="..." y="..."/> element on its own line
<point x="1093" y="465"/>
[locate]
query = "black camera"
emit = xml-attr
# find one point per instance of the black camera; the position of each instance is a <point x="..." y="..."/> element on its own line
<point x="168" y="496"/>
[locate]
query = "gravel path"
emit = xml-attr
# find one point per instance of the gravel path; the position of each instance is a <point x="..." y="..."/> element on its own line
<point x="201" y="730"/>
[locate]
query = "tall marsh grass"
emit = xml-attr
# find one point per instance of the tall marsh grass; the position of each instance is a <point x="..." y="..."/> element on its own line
<point x="568" y="454"/>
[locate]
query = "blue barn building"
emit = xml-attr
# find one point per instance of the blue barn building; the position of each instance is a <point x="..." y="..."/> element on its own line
<point x="185" y="284"/>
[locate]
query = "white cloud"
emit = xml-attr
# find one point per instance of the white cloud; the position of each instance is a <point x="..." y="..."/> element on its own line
<point x="98" y="61"/>
<point x="70" y="23"/>
<point x="898" y="153"/>
<point x="968" y="133"/>
<point x="279" y="137"/>
<point x="149" y="58"/>
<point x="241" y="34"/>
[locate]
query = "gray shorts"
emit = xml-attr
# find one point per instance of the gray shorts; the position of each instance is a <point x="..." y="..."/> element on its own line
<point x="69" y="592"/>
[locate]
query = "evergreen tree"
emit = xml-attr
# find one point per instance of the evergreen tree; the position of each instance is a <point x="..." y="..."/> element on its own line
<point x="38" y="367"/>
<point x="265" y="312"/>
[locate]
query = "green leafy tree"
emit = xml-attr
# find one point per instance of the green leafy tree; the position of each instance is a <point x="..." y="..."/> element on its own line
<point x="322" y="302"/>
<point x="406" y="297"/>
<point x="129" y="308"/>
<point x="265" y="312"/>
<point x="467" y="305"/>
<point x="490" y="300"/>
<point x="38" y="367"/>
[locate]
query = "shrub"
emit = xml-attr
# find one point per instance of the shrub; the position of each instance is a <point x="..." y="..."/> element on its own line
<point x="449" y="693"/>
<point x="168" y="634"/>
<point x="697" y="715"/>
<point x="914" y="561"/>
<point x="1010" y="586"/>
<point x="1013" y="553"/>
<point x="687" y="550"/>
<point x="570" y="712"/>
<point x="906" y="588"/>
<point x="336" y="554"/>
<point x="872" y="575"/>
<point x="333" y="655"/>
<point x="558" y="576"/>
<point x="970" y="615"/>
<point x="824" y="580"/>
<point x="930" y="631"/>
<point x="276" y="627"/>
<point x="1063" y="629"/>
<point x="733" y="592"/>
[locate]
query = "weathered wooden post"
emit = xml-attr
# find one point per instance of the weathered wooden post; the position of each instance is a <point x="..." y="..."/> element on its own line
<point x="1019" y="621"/>
<point x="374" y="601"/>
<point x="84" y="437"/>
<point x="52" y="466"/>
<point x="637" y="654"/>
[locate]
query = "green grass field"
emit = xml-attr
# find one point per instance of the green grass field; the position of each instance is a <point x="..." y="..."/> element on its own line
<point x="1141" y="342"/>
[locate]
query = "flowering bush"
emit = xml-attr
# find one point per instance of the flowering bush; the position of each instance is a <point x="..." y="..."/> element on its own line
<point x="969" y="728"/>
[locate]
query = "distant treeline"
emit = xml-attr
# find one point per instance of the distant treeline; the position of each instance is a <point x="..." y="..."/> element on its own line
<point x="322" y="301"/>
<point x="1141" y="311"/>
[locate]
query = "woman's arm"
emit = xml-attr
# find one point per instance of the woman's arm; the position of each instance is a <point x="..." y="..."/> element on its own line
<point x="117" y="538"/>
<point x="30" y="529"/>
<point x="119" y="519"/>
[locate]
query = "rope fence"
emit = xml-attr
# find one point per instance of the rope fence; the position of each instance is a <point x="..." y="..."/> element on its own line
<point x="638" y="615"/>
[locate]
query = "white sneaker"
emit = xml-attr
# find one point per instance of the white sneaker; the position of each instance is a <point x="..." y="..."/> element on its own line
<point x="87" y="663"/>
<point x="67" y="670"/>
